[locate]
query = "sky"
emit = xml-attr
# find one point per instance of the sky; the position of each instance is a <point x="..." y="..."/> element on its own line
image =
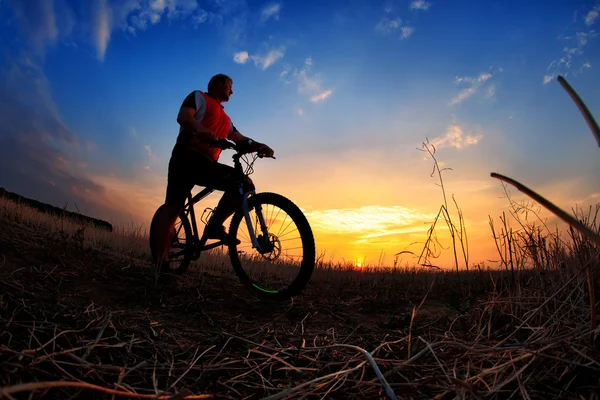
<point x="345" y="92"/>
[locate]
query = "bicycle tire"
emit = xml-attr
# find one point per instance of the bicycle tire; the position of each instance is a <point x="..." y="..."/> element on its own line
<point x="308" y="246"/>
<point x="177" y="268"/>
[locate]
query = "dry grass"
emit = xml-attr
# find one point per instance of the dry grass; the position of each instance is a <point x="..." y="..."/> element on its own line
<point x="80" y="315"/>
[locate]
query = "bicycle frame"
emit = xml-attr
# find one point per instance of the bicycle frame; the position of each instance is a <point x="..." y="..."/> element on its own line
<point x="199" y="243"/>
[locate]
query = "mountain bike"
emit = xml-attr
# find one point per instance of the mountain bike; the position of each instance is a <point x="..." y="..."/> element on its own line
<point x="271" y="244"/>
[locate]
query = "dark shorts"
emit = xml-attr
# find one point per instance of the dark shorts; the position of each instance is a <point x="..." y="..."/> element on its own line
<point x="188" y="168"/>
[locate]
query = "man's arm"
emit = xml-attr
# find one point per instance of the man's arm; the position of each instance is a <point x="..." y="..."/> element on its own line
<point x="236" y="137"/>
<point x="189" y="123"/>
<point x="187" y="117"/>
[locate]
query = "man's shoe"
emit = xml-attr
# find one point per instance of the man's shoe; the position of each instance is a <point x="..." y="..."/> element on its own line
<point x="219" y="233"/>
<point x="164" y="274"/>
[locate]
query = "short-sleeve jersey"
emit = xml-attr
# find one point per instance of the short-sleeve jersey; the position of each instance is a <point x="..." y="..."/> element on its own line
<point x="212" y="116"/>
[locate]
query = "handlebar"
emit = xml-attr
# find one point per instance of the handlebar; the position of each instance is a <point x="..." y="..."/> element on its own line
<point x="241" y="148"/>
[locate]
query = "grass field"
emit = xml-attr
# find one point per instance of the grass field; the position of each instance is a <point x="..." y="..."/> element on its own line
<point x="81" y="316"/>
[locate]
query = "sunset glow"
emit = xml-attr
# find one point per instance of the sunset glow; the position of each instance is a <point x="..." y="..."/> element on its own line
<point x="346" y="95"/>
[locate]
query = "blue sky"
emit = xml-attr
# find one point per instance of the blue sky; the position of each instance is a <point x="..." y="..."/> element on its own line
<point x="344" y="91"/>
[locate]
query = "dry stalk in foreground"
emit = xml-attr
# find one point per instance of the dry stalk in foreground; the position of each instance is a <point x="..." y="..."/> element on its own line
<point x="559" y="212"/>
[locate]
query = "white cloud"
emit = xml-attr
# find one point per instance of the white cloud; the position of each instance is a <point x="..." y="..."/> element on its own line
<point x="455" y="137"/>
<point x="148" y="150"/>
<point x="463" y="95"/>
<point x="285" y="72"/>
<point x="240" y="57"/>
<point x="387" y="25"/>
<point x="43" y="22"/>
<point x="153" y="11"/>
<point x="490" y="91"/>
<point x="265" y="61"/>
<point x="592" y="16"/>
<point x="46" y="22"/>
<point x="474" y="84"/>
<point x="270" y="11"/>
<point x="102" y="28"/>
<point x="300" y="111"/>
<point x="571" y="55"/>
<point x="406" y="32"/>
<point x="199" y="17"/>
<point x="370" y="221"/>
<point x="262" y="61"/>
<point x="420" y="5"/>
<point x="308" y="83"/>
<point x="321" y="96"/>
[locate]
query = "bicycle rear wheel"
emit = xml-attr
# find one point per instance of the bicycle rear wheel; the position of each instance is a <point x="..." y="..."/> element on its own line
<point x="180" y="254"/>
<point x="284" y="266"/>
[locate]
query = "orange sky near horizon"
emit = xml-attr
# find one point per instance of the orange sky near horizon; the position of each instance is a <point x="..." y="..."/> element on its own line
<point x="361" y="214"/>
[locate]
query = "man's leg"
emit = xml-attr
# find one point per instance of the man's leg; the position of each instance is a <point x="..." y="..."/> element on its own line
<point x="178" y="187"/>
<point x="163" y="231"/>
<point x="229" y="203"/>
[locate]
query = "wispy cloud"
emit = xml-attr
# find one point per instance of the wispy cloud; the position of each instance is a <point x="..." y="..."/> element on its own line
<point x="592" y="16"/>
<point x="490" y="91"/>
<point x="46" y="22"/>
<point x="311" y="84"/>
<point x="261" y="60"/>
<point x="270" y="11"/>
<point x="406" y="32"/>
<point x="285" y="73"/>
<point x="148" y="150"/>
<point x="43" y="22"/>
<point x="38" y="152"/>
<point x="420" y="5"/>
<point x="268" y="59"/>
<point x="455" y="137"/>
<point x="392" y="24"/>
<point x="321" y="96"/>
<point x="102" y="27"/>
<point x="151" y="156"/>
<point x="370" y="221"/>
<point x="572" y="54"/>
<point x="473" y="83"/>
<point x="386" y="25"/>
<point x="240" y="57"/>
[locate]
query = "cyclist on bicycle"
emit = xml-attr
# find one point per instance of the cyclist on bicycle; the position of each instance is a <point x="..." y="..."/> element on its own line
<point x="194" y="161"/>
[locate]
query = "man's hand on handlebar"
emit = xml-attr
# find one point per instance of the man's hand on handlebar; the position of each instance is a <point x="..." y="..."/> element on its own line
<point x="244" y="147"/>
<point x="265" y="151"/>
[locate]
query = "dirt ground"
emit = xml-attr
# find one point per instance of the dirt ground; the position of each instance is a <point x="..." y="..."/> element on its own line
<point x="122" y="318"/>
<point x="77" y="322"/>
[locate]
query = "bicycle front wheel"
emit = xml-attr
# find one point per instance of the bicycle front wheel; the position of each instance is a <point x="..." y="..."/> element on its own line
<point x="284" y="265"/>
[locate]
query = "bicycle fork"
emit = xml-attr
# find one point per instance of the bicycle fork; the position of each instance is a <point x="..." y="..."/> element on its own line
<point x="263" y="226"/>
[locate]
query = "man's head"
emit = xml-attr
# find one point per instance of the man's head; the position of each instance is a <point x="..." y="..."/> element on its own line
<point x="220" y="87"/>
